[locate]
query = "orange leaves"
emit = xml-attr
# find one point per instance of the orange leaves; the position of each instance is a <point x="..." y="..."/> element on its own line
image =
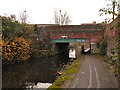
<point x="15" y="50"/>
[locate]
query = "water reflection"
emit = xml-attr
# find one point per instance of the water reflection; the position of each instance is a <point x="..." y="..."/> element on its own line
<point x="39" y="85"/>
<point x="42" y="70"/>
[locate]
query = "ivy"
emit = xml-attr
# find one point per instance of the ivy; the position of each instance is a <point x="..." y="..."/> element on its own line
<point x="117" y="47"/>
<point x="116" y="25"/>
<point x="102" y="47"/>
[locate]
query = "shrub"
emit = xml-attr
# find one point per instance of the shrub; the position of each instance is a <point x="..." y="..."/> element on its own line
<point x="15" y="50"/>
<point x="102" y="47"/>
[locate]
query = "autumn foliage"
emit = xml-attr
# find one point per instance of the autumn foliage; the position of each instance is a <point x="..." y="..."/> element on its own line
<point x="15" y="50"/>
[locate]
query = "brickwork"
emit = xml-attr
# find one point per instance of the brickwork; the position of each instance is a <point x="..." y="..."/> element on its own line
<point x="111" y="32"/>
<point x="92" y="31"/>
<point x="84" y="31"/>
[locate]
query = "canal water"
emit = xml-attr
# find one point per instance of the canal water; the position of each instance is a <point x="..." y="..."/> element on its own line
<point x="38" y="72"/>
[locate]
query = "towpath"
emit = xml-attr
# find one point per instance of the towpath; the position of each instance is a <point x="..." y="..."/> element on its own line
<point x="93" y="74"/>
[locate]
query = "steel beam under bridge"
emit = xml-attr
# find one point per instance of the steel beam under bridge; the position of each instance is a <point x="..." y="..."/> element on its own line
<point x="69" y="40"/>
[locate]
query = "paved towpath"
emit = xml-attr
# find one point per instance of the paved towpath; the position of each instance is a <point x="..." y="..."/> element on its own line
<point x="93" y="74"/>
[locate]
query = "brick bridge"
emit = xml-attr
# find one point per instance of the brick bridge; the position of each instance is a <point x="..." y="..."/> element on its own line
<point x="63" y="35"/>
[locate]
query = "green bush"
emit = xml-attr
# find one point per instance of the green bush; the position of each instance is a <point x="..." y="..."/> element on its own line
<point x="102" y="47"/>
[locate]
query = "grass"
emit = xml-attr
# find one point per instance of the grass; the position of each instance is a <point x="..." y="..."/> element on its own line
<point x="58" y="83"/>
<point x="111" y="65"/>
<point x="73" y="68"/>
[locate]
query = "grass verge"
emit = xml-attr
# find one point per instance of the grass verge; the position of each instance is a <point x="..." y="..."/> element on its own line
<point x="68" y="75"/>
<point x="111" y="65"/>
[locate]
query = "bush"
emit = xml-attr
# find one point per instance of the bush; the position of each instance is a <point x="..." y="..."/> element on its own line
<point x="102" y="47"/>
<point x="15" y="50"/>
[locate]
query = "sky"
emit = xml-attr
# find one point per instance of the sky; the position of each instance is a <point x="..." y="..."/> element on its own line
<point x="42" y="11"/>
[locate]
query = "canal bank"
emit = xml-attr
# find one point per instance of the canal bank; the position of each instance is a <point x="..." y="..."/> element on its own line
<point x="68" y="74"/>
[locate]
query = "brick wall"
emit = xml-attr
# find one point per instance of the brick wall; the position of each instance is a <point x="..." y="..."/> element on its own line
<point x="76" y="31"/>
<point x="112" y="30"/>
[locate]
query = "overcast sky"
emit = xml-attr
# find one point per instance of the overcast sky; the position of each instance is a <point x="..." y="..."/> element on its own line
<point x="42" y="11"/>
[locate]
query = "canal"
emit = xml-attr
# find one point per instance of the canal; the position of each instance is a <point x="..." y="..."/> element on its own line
<point x="37" y="71"/>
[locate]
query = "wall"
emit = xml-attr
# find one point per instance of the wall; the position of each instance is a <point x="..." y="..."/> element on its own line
<point x="110" y="34"/>
<point x="76" y="31"/>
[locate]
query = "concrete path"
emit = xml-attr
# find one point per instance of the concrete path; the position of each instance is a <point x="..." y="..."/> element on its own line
<point x="93" y="74"/>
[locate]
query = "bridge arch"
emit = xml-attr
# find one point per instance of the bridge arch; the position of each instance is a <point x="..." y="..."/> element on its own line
<point x="72" y="33"/>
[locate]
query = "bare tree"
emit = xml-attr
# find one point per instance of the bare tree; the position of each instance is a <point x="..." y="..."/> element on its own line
<point x="61" y="18"/>
<point x="23" y="17"/>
